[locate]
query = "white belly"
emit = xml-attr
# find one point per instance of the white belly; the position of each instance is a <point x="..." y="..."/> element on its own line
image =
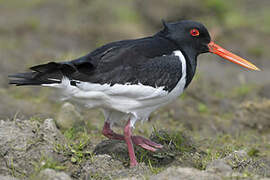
<point x="130" y="101"/>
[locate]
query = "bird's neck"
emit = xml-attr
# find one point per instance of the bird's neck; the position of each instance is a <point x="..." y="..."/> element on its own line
<point x="191" y="63"/>
<point x="189" y="54"/>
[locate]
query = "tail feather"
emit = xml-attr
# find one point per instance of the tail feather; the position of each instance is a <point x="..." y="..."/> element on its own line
<point x="49" y="73"/>
<point x="45" y="67"/>
<point x="26" y="75"/>
<point x="23" y="82"/>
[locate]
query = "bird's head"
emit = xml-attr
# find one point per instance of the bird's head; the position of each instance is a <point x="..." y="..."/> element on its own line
<point x="194" y="39"/>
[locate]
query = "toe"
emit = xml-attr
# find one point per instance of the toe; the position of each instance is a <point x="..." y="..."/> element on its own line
<point x="145" y="143"/>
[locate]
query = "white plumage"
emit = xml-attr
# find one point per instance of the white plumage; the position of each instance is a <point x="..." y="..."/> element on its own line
<point x="121" y="102"/>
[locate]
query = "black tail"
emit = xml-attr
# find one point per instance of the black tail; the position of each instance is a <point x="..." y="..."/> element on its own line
<point x="42" y="74"/>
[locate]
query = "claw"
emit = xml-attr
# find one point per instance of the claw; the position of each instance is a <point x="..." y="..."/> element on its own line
<point x="146" y="143"/>
<point x="147" y="147"/>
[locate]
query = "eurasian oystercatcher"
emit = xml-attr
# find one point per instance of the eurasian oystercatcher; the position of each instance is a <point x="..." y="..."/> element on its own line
<point x="129" y="79"/>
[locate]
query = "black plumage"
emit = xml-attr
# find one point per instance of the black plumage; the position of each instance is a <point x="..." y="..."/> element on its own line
<point x="149" y="61"/>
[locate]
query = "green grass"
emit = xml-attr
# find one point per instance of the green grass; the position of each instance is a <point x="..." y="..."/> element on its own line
<point x="76" y="147"/>
<point x="176" y="144"/>
<point x="253" y="152"/>
<point x="48" y="162"/>
<point x="154" y="170"/>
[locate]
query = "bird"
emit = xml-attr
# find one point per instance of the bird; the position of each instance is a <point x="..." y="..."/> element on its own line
<point x="129" y="79"/>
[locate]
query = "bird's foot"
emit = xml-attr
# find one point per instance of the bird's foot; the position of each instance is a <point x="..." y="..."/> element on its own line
<point x="137" y="140"/>
<point x="108" y="132"/>
<point x="133" y="163"/>
<point x="146" y="143"/>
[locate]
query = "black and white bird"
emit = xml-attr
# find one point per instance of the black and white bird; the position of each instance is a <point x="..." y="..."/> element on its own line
<point x="130" y="79"/>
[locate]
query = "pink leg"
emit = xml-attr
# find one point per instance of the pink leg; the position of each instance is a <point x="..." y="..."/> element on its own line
<point x="137" y="140"/>
<point x="127" y="136"/>
<point x="108" y="132"/>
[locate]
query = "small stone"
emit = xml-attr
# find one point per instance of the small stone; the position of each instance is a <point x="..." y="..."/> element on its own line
<point x="68" y="117"/>
<point x="219" y="166"/>
<point x="241" y="153"/>
<point x="50" y="132"/>
<point x="50" y="174"/>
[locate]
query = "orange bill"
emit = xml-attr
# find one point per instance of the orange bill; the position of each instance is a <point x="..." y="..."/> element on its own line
<point x="216" y="49"/>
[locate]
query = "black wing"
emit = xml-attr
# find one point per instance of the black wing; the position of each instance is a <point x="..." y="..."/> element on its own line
<point x="149" y="61"/>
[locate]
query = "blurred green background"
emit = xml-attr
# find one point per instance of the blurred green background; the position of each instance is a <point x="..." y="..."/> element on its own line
<point x="38" y="31"/>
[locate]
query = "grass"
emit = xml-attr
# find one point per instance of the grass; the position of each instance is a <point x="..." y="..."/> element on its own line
<point x="36" y="118"/>
<point x="178" y="148"/>
<point x="98" y="176"/>
<point x="175" y="144"/>
<point x="226" y="145"/>
<point x="154" y="170"/>
<point x="76" y="147"/>
<point x="48" y="162"/>
<point x="253" y="152"/>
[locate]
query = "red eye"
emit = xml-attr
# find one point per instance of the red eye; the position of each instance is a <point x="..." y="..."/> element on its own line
<point x="194" y="32"/>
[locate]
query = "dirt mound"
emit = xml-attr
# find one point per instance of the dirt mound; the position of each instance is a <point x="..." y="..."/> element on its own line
<point x="24" y="144"/>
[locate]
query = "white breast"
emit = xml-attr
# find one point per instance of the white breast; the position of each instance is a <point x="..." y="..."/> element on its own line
<point x="179" y="88"/>
<point x="135" y="99"/>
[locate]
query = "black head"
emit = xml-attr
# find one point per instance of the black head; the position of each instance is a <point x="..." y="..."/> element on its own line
<point x="192" y="38"/>
<point x="189" y="35"/>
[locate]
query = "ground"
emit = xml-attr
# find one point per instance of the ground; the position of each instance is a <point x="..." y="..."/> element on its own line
<point x="218" y="129"/>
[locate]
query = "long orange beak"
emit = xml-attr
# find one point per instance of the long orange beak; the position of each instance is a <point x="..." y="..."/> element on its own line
<point x="216" y="49"/>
